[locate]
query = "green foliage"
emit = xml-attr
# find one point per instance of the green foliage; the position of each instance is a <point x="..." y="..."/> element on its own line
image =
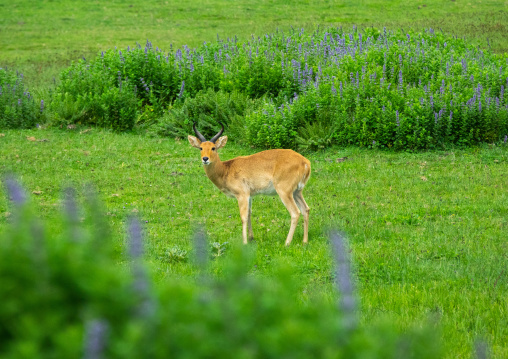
<point x="65" y="296"/>
<point x="219" y="249"/>
<point x="407" y="91"/>
<point x="18" y="108"/>
<point x="87" y="95"/>
<point x="393" y="90"/>
<point x="207" y="108"/>
<point x="175" y="255"/>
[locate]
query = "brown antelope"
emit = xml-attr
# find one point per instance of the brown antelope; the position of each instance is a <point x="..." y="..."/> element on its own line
<point x="282" y="172"/>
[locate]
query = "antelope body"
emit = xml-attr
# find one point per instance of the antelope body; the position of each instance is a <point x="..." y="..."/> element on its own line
<point x="272" y="172"/>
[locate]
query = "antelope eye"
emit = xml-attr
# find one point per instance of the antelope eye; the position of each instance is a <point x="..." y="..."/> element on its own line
<point x="213" y="148"/>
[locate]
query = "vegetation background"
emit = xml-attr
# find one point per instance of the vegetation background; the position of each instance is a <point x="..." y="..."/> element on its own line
<point x="427" y="230"/>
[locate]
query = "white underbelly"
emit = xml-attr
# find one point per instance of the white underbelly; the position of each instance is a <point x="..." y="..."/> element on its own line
<point x="268" y="190"/>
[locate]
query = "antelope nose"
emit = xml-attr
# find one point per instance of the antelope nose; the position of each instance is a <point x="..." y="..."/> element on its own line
<point x="205" y="159"/>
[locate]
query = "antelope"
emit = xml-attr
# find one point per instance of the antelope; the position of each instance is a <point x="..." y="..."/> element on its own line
<point x="272" y="172"/>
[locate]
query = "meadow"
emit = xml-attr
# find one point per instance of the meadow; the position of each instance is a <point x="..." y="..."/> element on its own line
<point x="427" y="230"/>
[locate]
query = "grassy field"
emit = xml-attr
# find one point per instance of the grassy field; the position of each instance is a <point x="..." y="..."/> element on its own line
<point x="427" y="230"/>
<point x="39" y="39"/>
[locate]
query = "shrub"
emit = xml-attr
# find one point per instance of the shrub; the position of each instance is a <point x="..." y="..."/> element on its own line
<point x="391" y="90"/>
<point x="18" y="109"/>
<point x="89" y="97"/>
<point x="207" y="108"/>
<point x="65" y="296"/>
<point x="414" y="90"/>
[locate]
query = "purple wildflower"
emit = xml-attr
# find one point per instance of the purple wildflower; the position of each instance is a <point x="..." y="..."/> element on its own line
<point x="42" y="105"/>
<point x="136" y="239"/>
<point x="343" y="279"/>
<point x="181" y="89"/>
<point x="397" y="117"/>
<point x="95" y="338"/>
<point x="15" y="191"/>
<point x="505" y="138"/>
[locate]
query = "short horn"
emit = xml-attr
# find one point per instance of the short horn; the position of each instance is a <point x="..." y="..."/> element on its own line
<point x="214" y="138"/>
<point x="200" y="136"/>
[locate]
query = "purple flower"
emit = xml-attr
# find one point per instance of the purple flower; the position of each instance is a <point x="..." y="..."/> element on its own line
<point x="397" y="117"/>
<point x="42" y="105"/>
<point x="136" y="238"/>
<point x="343" y="279"/>
<point x="505" y="138"/>
<point x="181" y="89"/>
<point x="15" y="191"/>
<point x="95" y="338"/>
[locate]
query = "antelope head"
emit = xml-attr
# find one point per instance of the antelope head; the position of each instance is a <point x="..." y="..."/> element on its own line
<point x="208" y="148"/>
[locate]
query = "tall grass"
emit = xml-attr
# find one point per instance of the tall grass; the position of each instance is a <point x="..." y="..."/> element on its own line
<point x="426" y="230"/>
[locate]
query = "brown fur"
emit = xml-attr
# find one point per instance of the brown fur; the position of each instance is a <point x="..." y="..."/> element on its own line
<point x="281" y="172"/>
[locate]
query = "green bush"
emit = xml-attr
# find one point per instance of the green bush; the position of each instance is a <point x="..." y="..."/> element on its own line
<point x="88" y="96"/>
<point x="208" y="108"/>
<point x="389" y="90"/>
<point x="18" y="109"/>
<point x="65" y="296"/>
<point x="414" y="90"/>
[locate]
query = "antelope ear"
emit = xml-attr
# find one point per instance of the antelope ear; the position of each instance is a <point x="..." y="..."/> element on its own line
<point x="221" y="142"/>
<point x="194" y="141"/>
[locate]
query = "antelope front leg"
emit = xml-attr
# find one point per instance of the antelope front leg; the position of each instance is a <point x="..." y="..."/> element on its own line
<point x="251" y="234"/>
<point x="243" y="204"/>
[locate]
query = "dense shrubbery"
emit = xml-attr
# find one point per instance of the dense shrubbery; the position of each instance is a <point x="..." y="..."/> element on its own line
<point x="66" y="297"/>
<point x="372" y="88"/>
<point x="377" y="89"/>
<point x="18" y="109"/>
<point x="207" y="108"/>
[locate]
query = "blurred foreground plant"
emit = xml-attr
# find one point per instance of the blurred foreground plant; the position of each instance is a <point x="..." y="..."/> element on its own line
<point x="66" y="296"/>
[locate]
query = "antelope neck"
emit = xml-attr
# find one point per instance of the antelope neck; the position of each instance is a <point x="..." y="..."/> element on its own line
<point x="214" y="171"/>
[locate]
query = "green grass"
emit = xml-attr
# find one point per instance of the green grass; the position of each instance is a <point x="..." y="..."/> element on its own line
<point x="427" y="231"/>
<point x="44" y="37"/>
